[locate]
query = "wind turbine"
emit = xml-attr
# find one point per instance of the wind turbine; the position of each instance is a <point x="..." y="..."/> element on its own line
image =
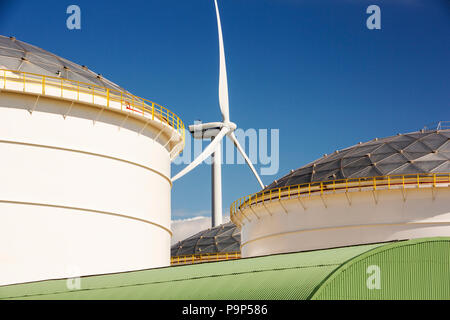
<point x="216" y="131"/>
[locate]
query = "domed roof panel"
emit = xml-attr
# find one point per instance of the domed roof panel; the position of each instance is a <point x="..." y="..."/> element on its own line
<point x="16" y="55"/>
<point x="445" y="167"/>
<point x="220" y="239"/>
<point x="411" y="153"/>
<point x="434" y="141"/>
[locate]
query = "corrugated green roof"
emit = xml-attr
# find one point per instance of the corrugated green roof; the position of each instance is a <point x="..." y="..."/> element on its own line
<point x="284" y="276"/>
<point x="416" y="269"/>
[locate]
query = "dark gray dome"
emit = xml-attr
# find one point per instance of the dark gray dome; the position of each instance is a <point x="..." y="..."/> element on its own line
<point x="220" y="239"/>
<point x="411" y="153"/>
<point x="20" y="56"/>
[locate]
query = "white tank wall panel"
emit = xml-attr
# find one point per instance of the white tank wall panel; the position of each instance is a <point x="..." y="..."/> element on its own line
<point x="42" y="242"/>
<point x="103" y="137"/>
<point x="73" y="179"/>
<point x="80" y="192"/>
<point x="332" y="222"/>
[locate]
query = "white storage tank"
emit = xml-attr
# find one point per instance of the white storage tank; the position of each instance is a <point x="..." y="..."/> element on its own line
<point x="387" y="189"/>
<point x="84" y="170"/>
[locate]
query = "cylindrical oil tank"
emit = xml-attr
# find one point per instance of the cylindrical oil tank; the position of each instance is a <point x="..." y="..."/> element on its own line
<point x="84" y="170"/>
<point x="388" y="189"/>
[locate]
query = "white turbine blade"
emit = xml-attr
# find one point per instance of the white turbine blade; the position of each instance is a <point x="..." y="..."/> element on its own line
<point x="205" y="154"/>
<point x="223" y="83"/>
<point x="238" y="146"/>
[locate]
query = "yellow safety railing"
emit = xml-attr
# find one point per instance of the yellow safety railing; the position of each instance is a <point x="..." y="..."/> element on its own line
<point x="204" y="257"/>
<point x="304" y="190"/>
<point x="89" y="93"/>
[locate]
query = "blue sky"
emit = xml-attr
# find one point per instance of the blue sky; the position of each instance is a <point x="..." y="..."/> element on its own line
<point x="309" y="68"/>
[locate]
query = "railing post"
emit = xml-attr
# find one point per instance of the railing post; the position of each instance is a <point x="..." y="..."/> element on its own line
<point x="153" y="111"/>
<point x="43" y="85"/>
<point x="107" y="97"/>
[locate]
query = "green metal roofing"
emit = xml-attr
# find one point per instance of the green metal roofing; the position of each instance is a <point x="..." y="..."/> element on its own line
<point x="415" y="269"/>
<point x="304" y="275"/>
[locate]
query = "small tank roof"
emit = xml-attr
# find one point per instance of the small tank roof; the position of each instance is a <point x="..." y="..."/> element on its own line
<point x="221" y="239"/>
<point x="17" y="55"/>
<point x="410" y="153"/>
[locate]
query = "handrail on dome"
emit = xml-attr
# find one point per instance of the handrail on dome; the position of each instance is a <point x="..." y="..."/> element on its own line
<point x="89" y="93"/>
<point x="440" y="125"/>
<point x="204" y="257"/>
<point x="388" y="182"/>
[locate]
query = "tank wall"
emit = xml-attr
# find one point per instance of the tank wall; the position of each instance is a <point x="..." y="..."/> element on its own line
<point x="41" y="243"/>
<point x="93" y="195"/>
<point x="332" y="221"/>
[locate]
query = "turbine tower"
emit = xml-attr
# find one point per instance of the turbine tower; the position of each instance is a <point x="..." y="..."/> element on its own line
<point x="216" y="131"/>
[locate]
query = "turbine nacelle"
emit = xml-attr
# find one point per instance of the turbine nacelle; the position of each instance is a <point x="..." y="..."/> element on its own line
<point x="209" y="130"/>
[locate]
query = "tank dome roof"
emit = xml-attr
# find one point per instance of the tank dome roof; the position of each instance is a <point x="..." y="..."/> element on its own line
<point x="16" y="55"/>
<point x="411" y="153"/>
<point x="223" y="238"/>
